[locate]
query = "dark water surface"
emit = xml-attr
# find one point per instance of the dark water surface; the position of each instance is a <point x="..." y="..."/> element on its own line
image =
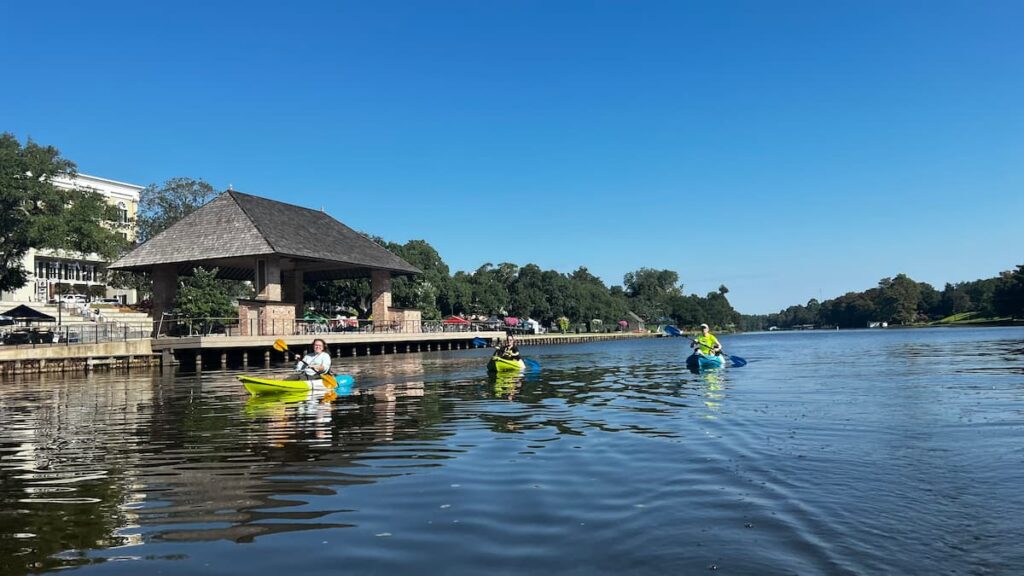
<point x="860" y="452"/>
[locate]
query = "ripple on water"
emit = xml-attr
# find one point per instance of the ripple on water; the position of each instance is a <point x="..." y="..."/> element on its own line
<point x="879" y="452"/>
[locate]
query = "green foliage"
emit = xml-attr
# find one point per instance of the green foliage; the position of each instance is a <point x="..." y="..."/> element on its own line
<point x="203" y="296"/>
<point x="163" y="205"/>
<point x="649" y="291"/>
<point x="1008" y="295"/>
<point x="424" y="291"/>
<point x="35" y="213"/>
<point x="490" y="289"/>
<point x="575" y="299"/>
<point x="898" y="299"/>
<point x="902" y="301"/>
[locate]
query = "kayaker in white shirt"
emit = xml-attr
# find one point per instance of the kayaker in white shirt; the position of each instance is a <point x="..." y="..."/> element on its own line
<point x="314" y="363"/>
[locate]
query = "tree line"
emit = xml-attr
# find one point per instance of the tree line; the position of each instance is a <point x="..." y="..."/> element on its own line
<point x="902" y="301"/>
<point x="572" y="301"/>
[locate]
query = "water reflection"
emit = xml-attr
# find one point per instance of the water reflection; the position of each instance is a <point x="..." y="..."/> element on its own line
<point x="612" y="457"/>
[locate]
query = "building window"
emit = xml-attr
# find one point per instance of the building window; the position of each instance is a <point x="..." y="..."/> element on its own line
<point x="122" y="213"/>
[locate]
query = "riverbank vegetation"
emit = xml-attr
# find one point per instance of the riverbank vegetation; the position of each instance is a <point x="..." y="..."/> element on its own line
<point x="900" y="301"/>
<point x="572" y="301"/>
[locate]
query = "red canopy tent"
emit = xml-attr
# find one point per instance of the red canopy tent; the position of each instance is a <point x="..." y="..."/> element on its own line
<point x="455" y="320"/>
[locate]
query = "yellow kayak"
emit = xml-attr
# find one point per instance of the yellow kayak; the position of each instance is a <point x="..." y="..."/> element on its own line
<point x="271" y="386"/>
<point x="499" y="364"/>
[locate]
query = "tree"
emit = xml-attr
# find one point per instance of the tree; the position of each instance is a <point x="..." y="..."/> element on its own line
<point x="954" y="300"/>
<point x="460" y="296"/>
<point x="490" y="288"/>
<point x="649" y="291"/>
<point x="36" y="213"/>
<point x="527" y="296"/>
<point x="422" y="291"/>
<point x="898" y="299"/>
<point x="202" y="297"/>
<point x="161" y="206"/>
<point x="1008" y="296"/>
<point x="928" y="304"/>
<point x="687" y="310"/>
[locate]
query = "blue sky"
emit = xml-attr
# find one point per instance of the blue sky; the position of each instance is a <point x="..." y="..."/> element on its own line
<point x="789" y="150"/>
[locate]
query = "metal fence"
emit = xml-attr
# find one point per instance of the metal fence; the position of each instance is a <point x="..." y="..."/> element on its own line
<point x="84" y="333"/>
<point x="170" y="326"/>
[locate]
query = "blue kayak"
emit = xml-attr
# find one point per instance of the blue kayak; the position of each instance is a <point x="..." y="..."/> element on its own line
<point x="698" y="361"/>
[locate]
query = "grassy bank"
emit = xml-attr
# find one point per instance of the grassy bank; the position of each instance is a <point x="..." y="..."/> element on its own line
<point x="975" y="319"/>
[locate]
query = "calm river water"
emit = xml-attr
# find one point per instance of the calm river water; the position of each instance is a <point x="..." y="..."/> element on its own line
<point x="851" y="452"/>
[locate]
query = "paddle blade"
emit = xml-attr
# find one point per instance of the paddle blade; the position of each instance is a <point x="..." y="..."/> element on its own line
<point x="280" y="345"/>
<point x="531" y="364"/>
<point x="329" y="381"/>
<point x="479" y="342"/>
<point x="673" y="331"/>
<point x="737" y="361"/>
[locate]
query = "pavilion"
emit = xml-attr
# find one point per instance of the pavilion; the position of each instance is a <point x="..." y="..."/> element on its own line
<point x="278" y="247"/>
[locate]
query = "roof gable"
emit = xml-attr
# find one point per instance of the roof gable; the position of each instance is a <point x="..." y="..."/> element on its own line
<point x="218" y="229"/>
<point x="296" y="231"/>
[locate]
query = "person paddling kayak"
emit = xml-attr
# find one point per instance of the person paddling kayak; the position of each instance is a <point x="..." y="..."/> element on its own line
<point x="706" y="343"/>
<point x="507" y="358"/>
<point x="509" y="350"/>
<point x="313" y="364"/>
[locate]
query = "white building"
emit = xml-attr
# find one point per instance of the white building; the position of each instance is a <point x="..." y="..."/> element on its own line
<point x="74" y="271"/>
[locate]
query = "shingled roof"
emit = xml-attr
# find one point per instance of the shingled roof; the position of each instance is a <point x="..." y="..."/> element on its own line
<point x="233" y="228"/>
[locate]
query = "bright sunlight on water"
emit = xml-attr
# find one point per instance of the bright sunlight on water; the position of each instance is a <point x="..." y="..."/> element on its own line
<point x="852" y="452"/>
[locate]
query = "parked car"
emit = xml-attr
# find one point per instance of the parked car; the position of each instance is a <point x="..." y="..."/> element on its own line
<point x="18" y="337"/>
<point x="74" y="299"/>
<point x="115" y="301"/>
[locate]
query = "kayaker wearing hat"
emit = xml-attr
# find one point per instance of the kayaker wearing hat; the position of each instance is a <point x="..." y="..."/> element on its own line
<point x="706" y="343"/>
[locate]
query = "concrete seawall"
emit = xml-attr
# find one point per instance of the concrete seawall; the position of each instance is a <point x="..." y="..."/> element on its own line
<point x="76" y="357"/>
<point x="223" y="352"/>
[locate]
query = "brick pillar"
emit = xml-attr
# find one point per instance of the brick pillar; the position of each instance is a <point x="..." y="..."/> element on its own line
<point x="381" y="286"/>
<point x="165" y="287"/>
<point x="271" y="292"/>
<point x="293" y="285"/>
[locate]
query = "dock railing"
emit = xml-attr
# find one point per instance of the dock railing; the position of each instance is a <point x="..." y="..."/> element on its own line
<point x="172" y="326"/>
